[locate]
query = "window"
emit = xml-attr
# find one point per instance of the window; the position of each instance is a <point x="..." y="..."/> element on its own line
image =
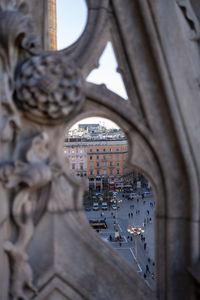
<point x="117" y="156"/>
<point x="73" y="158"/>
<point x="97" y="164"/>
<point x="73" y="151"/>
<point x="91" y="164"/>
<point x="111" y="164"/>
<point x="73" y="166"/>
<point x="81" y="166"/>
<point x="104" y="157"/>
<point x="91" y="172"/>
<point x="104" y="150"/>
<point x="104" y="172"/>
<point x="90" y="150"/>
<point x="117" y="149"/>
<point x="81" y="157"/>
<point x="117" y="164"/>
<point x="104" y="164"/>
<point x="97" y="150"/>
<point x="117" y="171"/>
<point x="98" y="172"/>
<point x="90" y="157"/>
<point x="97" y="157"/>
<point x="111" y="157"/>
<point x="111" y="172"/>
<point x="110" y="149"/>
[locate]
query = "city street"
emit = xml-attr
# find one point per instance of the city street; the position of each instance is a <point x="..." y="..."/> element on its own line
<point x="131" y="212"/>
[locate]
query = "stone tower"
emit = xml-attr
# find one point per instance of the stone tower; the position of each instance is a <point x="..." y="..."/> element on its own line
<point x="52" y="24"/>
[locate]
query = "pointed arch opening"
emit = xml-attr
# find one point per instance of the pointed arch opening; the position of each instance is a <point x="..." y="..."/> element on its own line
<point x="118" y="200"/>
<point x="107" y="72"/>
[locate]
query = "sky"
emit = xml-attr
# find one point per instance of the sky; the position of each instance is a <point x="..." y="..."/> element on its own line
<point x="71" y="21"/>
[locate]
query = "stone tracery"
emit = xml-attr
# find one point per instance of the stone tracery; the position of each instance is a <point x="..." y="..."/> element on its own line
<point x="31" y="165"/>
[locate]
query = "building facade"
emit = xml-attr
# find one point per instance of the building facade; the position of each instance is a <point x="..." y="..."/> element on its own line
<point x="76" y="155"/>
<point x="103" y="162"/>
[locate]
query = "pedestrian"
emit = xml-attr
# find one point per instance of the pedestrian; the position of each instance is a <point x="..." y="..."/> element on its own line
<point x="147" y="269"/>
<point x="120" y="244"/>
<point x="145" y="276"/>
<point x="137" y="200"/>
<point x="144" y="202"/>
<point x="149" y="260"/>
<point x="145" y="246"/>
<point x="131" y="238"/>
<point x="131" y="214"/>
<point x="110" y="237"/>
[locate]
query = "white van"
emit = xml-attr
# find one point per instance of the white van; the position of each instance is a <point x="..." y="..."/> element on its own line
<point x="95" y="206"/>
<point x="104" y="206"/>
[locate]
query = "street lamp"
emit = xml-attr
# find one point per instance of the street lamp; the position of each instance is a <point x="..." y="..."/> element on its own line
<point x="117" y="201"/>
<point x="136" y="231"/>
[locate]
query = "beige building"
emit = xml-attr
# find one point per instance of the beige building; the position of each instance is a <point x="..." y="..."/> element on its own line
<point x="76" y="155"/>
<point x="103" y="162"/>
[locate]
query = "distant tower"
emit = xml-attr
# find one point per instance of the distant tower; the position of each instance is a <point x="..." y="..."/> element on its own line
<point x="52" y="24"/>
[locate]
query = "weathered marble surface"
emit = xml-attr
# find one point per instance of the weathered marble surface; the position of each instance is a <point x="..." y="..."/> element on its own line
<point x="47" y="249"/>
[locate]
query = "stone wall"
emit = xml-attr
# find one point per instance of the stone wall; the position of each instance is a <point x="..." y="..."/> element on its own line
<point x="47" y="249"/>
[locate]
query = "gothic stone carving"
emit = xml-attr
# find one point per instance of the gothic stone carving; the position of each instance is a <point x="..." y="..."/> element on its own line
<point x="46" y="90"/>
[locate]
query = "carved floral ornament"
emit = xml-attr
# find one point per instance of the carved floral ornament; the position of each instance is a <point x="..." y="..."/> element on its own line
<point x="48" y="88"/>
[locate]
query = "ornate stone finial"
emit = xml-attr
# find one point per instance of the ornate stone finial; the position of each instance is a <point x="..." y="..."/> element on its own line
<point x="48" y="88"/>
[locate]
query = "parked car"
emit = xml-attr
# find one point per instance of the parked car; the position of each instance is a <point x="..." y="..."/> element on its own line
<point x="133" y="195"/>
<point x="104" y="206"/>
<point x="114" y="206"/>
<point x="95" y="206"/>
